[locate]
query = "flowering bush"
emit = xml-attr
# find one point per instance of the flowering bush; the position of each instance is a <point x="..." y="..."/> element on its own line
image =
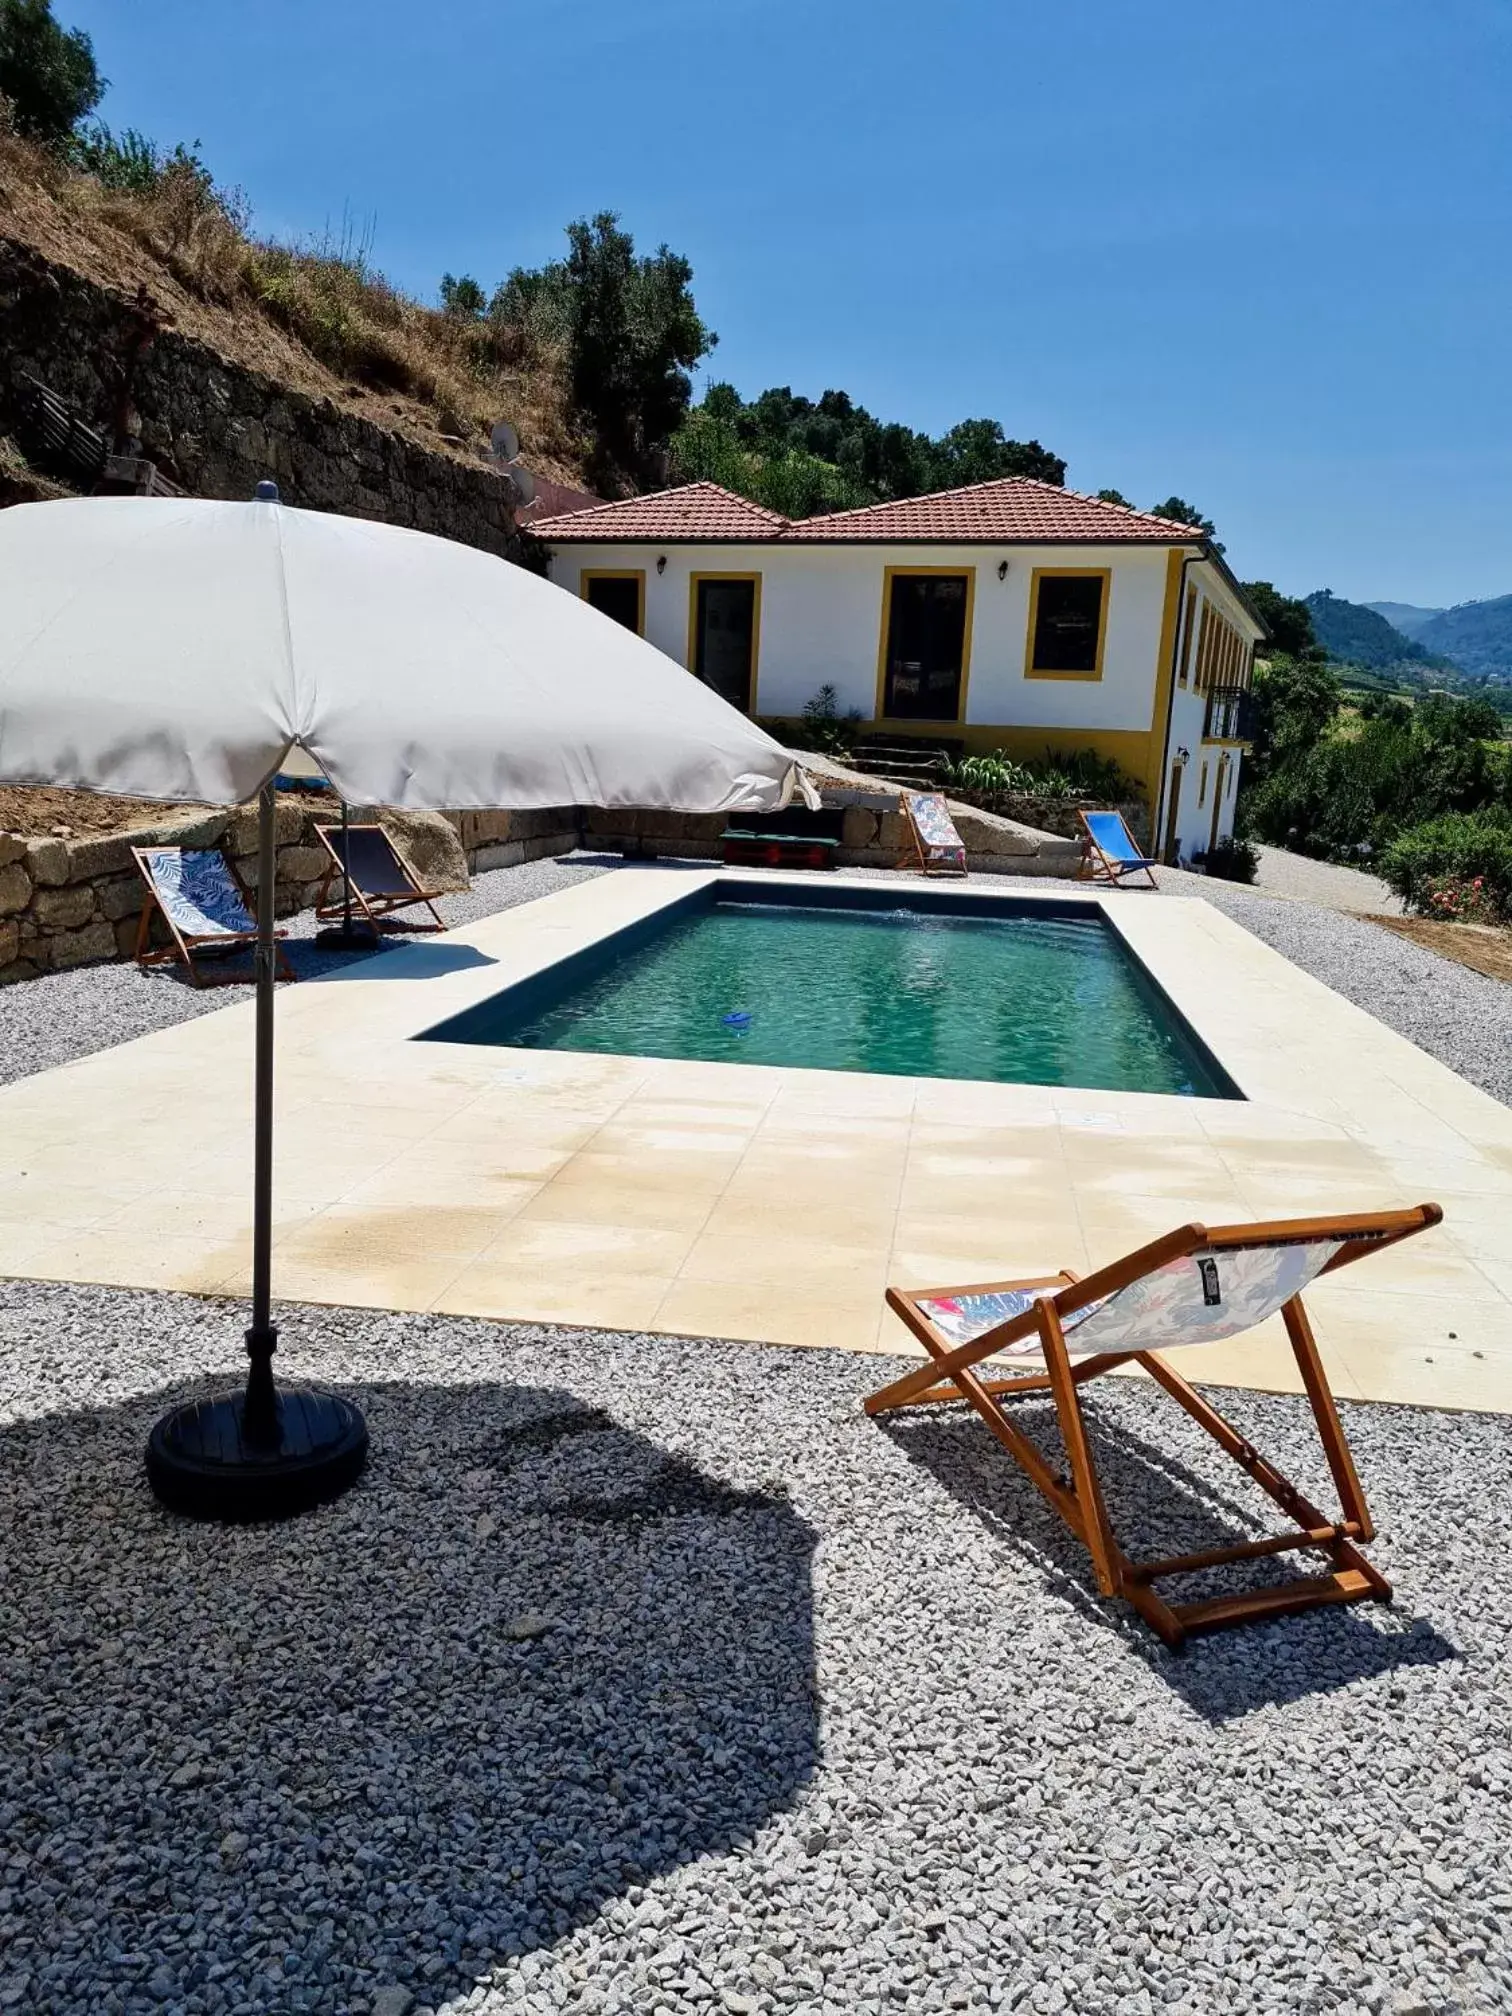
<point x="1454" y="900"/>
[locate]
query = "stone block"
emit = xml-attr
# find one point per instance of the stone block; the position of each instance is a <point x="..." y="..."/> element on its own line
<point x="431" y="846"/>
<point x="122" y="897"/>
<point x="302" y="864"/>
<point x="21" y="969"/>
<point x="78" y="948"/>
<point x="108" y="854"/>
<point x="241" y="827"/>
<point x="15" y="888"/>
<point x="12" y="847"/>
<point x="126" y="929"/>
<point x="10" y="943"/>
<point x="860" y="827"/>
<point x="64" y="909"/>
<point x="47" y="862"/>
<point x="892" y="834"/>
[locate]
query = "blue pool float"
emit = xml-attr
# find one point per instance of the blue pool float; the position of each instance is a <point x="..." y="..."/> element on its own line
<point x="738" y="1018"/>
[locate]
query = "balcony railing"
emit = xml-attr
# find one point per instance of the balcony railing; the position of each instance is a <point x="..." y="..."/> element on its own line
<point x="1230" y="715"/>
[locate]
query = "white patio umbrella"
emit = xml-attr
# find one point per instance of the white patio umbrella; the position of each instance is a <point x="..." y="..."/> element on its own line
<point x="180" y="649"/>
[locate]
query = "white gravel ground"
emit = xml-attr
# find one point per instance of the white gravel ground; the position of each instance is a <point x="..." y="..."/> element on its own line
<point x="649" y="1675"/>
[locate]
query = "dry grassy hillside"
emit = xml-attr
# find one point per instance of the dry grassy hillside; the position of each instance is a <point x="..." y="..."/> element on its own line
<point x="319" y="320"/>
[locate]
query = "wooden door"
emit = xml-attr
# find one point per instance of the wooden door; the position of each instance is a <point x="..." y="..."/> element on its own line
<point x="1173" y="818"/>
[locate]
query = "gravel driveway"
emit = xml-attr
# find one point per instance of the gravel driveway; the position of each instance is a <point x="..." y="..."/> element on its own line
<point x="641" y="1674"/>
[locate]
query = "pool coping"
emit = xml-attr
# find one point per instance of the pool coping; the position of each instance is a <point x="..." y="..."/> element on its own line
<point x="765" y="1203"/>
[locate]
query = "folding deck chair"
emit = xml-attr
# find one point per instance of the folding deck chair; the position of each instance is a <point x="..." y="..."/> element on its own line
<point x="382" y="880"/>
<point x="934" y="846"/>
<point x="1194" y="1286"/>
<point x="1109" y="850"/>
<point x="205" y="905"/>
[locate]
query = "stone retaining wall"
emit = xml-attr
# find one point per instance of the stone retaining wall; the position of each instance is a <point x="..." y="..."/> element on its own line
<point x="216" y="427"/>
<point x="66" y="903"/>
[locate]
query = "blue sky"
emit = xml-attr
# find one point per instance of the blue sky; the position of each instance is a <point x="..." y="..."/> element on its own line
<point x="1260" y="256"/>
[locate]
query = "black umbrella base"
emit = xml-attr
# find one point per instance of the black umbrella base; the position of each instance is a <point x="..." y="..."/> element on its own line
<point x="348" y="938"/>
<point x="201" y="1462"/>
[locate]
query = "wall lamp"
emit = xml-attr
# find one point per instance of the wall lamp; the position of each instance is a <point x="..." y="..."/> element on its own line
<point x="1002" y="570"/>
<point x="661" y="563"/>
<point x="1183" y="756"/>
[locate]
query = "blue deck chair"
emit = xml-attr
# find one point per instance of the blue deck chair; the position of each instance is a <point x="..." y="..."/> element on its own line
<point x="1110" y="850"/>
<point x="201" y="899"/>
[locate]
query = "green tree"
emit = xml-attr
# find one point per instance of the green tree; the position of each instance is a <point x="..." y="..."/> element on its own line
<point x="1114" y="497"/>
<point x="463" y="297"/>
<point x="47" y="73"/>
<point x="631" y="333"/>
<point x="1287" y="619"/>
<point x="1188" y="514"/>
<point x="977" y="451"/>
<point x="1296" y="704"/>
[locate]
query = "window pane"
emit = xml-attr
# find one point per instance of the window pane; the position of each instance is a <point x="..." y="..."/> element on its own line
<point x="926" y="645"/>
<point x="616" y="597"/>
<point x="1068" y="616"/>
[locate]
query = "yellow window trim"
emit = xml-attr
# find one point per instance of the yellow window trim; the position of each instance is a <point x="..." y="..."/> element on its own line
<point x="1103" y="574"/>
<point x="635" y="574"/>
<point x="966" y="574"/>
<point x="737" y="574"/>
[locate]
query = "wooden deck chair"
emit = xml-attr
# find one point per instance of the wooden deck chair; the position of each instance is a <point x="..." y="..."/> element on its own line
<point x="206" y="907"/>
<point x="1194" y="1286"/>
<point x="382" y="880"/>
<point x="1108" y="849"/>
<point x="933" y="846"/>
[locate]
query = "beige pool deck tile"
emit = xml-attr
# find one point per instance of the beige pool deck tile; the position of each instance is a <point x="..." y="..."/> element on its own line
<point x="762" y="1202"/>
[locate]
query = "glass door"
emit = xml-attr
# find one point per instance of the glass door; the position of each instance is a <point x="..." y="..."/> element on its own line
<point x="724" y="636"/>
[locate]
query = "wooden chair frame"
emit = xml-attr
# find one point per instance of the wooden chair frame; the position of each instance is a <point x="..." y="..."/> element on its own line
<point x="950" y="1376"/>
<point x="1100" y="866"/>
<point x="187" y="943"/>
<point x="915" y="855"/>
<point x="378" y="909"/>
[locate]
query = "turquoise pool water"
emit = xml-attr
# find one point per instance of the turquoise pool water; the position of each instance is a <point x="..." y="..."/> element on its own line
<point x="1026" y="999"/>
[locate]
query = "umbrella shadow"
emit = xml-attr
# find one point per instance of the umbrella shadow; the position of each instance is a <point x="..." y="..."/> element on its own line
<point x="530" y="1662"/>
<point x="405" y="959"/>
<point x="1160" y="1505"/>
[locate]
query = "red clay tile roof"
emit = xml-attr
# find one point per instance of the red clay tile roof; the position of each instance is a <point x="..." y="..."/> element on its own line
<point x="1012" y="510"/>
<point x="696" y="511"/>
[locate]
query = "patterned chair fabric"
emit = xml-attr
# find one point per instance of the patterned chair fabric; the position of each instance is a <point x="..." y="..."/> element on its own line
<point x="1197" y="1299"/>
<point x="936" y="829"/>
<point x="198" y="892"/>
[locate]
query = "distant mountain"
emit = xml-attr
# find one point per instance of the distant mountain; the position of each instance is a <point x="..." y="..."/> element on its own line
<point x="1404" y="616"/>
<point x="1476" y="635"/>
<point x="1354" y="634"/>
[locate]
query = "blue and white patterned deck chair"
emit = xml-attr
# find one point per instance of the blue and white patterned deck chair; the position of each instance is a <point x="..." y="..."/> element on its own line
<point x="1109" y="851"/>
<point x="1194" y="1286"/>
<point x="935" y="847"/>
<point x="202" y="900"/>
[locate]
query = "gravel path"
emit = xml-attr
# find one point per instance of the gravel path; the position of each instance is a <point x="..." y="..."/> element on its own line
<point x="641" y="1674"/>
<point x="1325" y="882"/>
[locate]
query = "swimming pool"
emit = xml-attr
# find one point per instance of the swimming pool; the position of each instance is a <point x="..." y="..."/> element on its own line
<point x="858" y="976"/>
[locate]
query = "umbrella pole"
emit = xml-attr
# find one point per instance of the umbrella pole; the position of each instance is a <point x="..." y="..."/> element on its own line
<point x="258" y="1454"/>
<point x="260" y="1422"/>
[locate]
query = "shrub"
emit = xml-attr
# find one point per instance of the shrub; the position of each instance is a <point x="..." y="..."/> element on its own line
<point x="824" y="729"/>
<point x="1231" y="860"/>
<point x="1082" y="774"/>
<point x="1464" y="856"/>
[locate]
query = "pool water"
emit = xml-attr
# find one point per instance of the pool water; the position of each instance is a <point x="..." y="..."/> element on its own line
<point x="1028" y="999"/>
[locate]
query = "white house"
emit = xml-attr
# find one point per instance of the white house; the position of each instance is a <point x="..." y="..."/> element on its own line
<point x="1010" y="615"/>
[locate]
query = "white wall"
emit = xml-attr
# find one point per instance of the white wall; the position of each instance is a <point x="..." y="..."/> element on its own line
<point x="821" y="617"/>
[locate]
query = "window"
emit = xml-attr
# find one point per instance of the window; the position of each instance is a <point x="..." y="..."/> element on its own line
<point x="619" y="593"/>
<point x="724" y="622"/>
<point x="1068" y="616"/>
<point x="926" y="644"/>
<point x="1187" y="629"/>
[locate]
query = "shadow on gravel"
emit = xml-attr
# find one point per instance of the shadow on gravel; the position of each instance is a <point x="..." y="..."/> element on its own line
<point x="530" y="1662"/>
<point x="1159" y="1505"/>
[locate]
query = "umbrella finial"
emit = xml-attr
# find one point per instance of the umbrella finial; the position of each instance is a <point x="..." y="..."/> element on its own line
<point x="266" y="491"/>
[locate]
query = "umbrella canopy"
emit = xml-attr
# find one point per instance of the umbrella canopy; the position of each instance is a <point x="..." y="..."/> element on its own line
<point x="180" y="649"/>
<point x="177" y="648"/>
